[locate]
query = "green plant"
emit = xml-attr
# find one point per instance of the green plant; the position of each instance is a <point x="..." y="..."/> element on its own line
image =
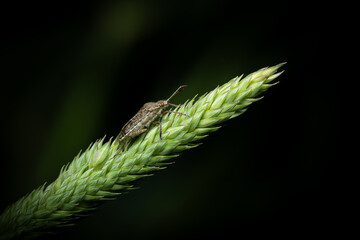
<point x="103" y="171"/>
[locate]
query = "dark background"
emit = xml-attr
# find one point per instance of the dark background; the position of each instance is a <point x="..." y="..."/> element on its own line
<point x="75" y="71"/>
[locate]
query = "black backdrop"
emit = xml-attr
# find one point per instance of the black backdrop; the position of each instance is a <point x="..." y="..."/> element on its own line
<point x="75" y="71"/>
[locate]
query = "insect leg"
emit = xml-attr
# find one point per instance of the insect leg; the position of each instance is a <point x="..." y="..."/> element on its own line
<point x="124" y="144"/>
<point x="174" y="105"/>
<point x="173" y="112"/>
<point x="160" y="126"/>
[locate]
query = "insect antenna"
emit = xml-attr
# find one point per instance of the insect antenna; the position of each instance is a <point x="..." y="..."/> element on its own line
<point x="181" y="88"/>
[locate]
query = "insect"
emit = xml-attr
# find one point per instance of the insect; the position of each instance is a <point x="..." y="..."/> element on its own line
<point x="146" y="116"/>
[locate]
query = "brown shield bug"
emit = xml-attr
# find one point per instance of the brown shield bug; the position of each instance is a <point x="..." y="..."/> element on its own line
<point x="146" y="116"/>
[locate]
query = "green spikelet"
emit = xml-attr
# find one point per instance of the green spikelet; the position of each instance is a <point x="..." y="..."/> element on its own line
<point x="101" y="173"/>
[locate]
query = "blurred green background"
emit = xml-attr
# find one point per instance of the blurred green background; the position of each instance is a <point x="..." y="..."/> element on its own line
<point x="75" y="71"/>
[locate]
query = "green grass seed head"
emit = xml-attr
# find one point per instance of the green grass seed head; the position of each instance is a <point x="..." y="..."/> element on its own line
<point x="102" y="171"/>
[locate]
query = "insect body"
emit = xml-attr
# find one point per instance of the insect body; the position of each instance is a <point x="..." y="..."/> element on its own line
<point x="145" y="117"/>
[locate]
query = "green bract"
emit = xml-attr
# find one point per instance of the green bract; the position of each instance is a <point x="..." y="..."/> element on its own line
<point x="102" y="171"/>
